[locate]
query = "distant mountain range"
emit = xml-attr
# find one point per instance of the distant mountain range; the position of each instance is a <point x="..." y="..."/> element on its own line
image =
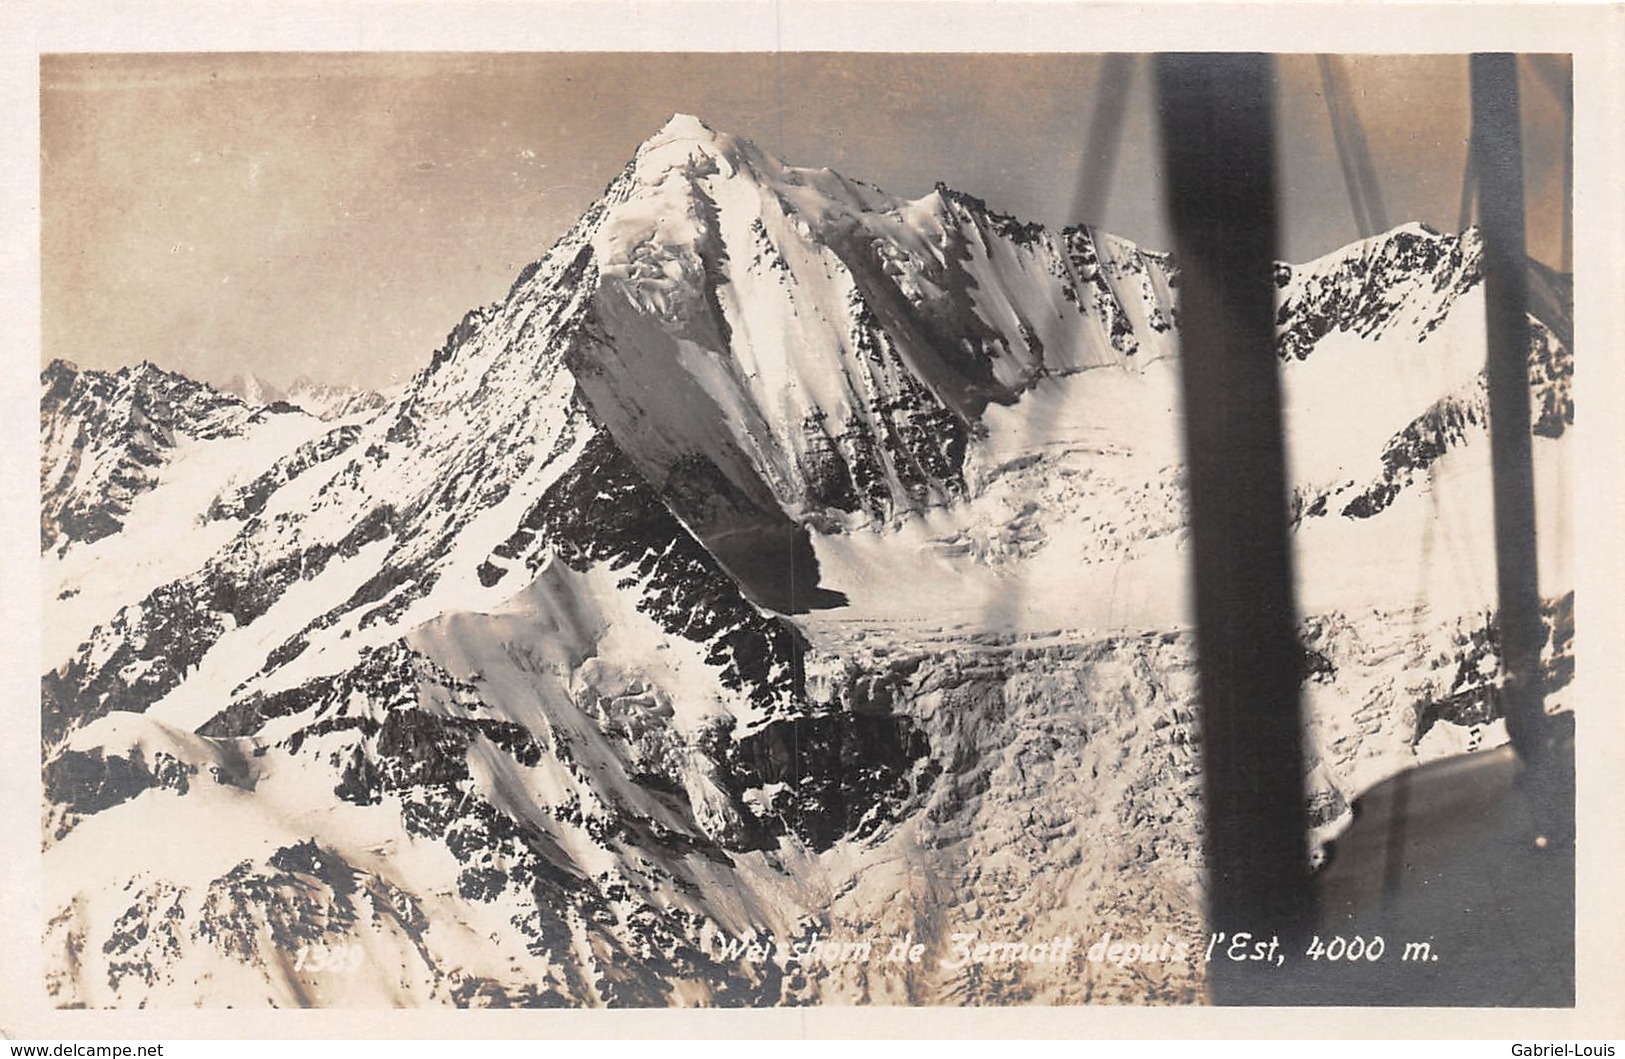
<point x="319" y="399"/>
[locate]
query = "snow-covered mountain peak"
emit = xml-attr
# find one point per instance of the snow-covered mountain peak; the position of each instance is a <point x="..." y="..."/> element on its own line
<point x="687" y="146"/>
<point x="1407" y="278"/>
<point x="254" y="390"/>
<point x="321" y="400"/>
<point x="1404" y="245"/>
<point x="687" y="152"/>
<point x="825" y="347"/>
<point x="682" y="127"/>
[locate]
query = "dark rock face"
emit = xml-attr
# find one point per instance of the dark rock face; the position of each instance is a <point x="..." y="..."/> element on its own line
<point x="1473" y="699"/>
<point x="250" y="500"/>
<point x="1371" y="290"/>
<point x="601" y="512"/>
<point x="402" y="751"/>
<point x="1413" y="450"/>
<point x="1454" y="418"/>
<point x="160" y="640"/>
<point x="839" y="775"/>
<point x="1551" y="371"/>
<point x="1097" y="296"/>
<point x="154" y="645"/>
<point x="79" y="784"/>
<point x="106" y="436"/>
<point x="87" y="783"/>
<point x="909" y="436"/>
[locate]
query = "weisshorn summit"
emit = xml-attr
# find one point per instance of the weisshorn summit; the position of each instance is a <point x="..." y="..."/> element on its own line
<point x="782" y="572"/>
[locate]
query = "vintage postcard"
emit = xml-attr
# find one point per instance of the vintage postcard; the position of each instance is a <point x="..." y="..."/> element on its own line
<point x="602" y="511"/>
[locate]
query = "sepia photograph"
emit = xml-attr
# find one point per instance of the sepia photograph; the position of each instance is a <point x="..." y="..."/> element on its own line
<point x="795" y="527"/>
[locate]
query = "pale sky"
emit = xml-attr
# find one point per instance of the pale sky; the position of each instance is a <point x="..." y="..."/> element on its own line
<point x="335" y="215"/>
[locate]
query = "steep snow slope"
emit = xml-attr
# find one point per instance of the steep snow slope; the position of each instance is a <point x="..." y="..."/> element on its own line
<point x="780" y="559"/>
